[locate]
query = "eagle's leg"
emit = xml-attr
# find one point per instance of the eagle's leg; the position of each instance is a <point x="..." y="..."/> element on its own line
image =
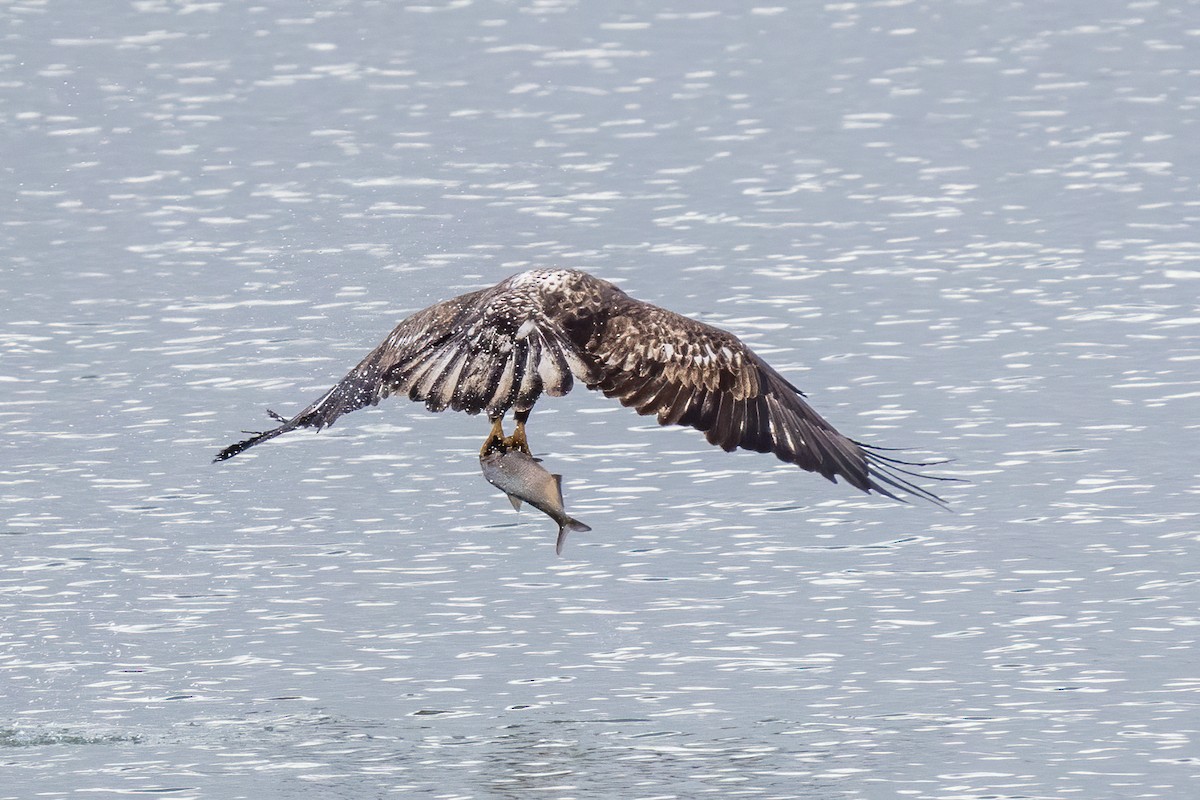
<point x="495" y="440"/>
<point x="518" y="441"/>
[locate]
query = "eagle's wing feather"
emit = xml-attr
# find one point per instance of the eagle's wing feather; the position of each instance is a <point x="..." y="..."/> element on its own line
<point x="685" y="372"/>
<point x="489" y="350"/>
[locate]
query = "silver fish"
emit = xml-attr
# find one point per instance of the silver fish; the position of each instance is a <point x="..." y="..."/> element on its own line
<point x="521" y="477"/>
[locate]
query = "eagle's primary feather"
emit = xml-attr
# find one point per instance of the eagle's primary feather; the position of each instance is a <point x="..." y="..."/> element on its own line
<point x="498" y="349"/>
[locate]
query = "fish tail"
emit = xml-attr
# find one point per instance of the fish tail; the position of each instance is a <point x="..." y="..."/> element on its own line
<point x="568" y="524"/>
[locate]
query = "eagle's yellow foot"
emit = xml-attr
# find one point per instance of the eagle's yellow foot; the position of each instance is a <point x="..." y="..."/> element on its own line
<point x="496" y="440"/>
<point x="517" y="441"/>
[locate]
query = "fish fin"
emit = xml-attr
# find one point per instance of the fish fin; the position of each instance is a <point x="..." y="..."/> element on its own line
<point x="516" y="502"/>
<point x="558" y="485"/>
<point x="571" y="524"/>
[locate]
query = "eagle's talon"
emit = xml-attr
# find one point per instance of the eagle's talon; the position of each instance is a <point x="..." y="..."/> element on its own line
<point x="517" y="441"/>
<point x="496" y="441"/>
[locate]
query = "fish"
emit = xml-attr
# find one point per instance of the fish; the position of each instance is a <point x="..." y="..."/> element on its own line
<point x="522" y="478"/>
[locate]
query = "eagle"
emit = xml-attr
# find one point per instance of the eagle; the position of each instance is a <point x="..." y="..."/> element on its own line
<point x="540" y="331"/>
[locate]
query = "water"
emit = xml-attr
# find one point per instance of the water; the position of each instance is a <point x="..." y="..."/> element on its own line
<point x="962" y="227"/>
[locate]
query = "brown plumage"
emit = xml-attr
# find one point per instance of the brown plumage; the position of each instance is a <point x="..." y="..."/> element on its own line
<point x="537" y="332"/>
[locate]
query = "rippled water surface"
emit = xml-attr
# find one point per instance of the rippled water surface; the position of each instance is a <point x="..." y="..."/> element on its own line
<point x="966" y="228"/>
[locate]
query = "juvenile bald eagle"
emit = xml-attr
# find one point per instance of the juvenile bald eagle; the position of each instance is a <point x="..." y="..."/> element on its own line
<point x="498" y="349"/>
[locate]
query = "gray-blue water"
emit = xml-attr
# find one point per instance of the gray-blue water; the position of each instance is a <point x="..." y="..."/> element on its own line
<point x="963" y="227"/>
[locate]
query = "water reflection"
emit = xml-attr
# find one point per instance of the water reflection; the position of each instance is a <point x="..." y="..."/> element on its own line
<point x="959" y="231"/>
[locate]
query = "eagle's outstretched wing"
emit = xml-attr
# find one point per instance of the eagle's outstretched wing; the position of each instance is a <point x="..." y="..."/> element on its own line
<point x="685" y="372"/>
<point x="489" y="350"/>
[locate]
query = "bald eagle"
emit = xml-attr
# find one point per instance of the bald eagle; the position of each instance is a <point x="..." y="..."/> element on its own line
<point x="499" y="349"/>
